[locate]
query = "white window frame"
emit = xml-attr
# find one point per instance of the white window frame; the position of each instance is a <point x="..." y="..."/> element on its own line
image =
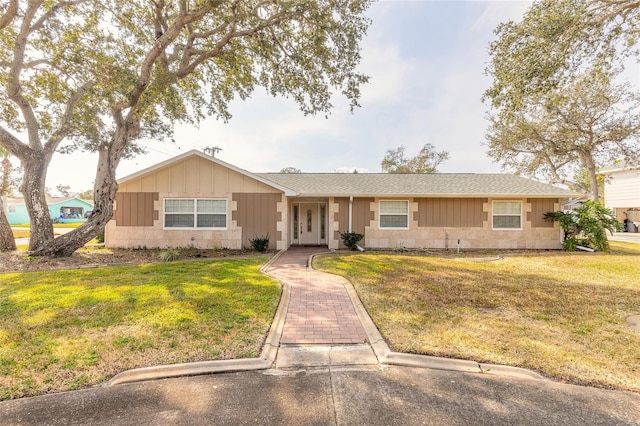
<point x="493" y="214"/>
<point x="195" y="215"/>
<point x="380" y="214"/>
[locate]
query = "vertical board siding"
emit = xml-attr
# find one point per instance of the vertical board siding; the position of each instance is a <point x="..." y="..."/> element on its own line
<point x="361" y="216"/>
<point x="135" y="208"/>
<point x="257" y="214"/>
<point x="539" y="206"/>
<point x="450" y="212"/>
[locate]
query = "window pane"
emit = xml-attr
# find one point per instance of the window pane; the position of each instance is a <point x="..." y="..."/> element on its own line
<point x="391" y="207"/>
<point x="212" y="206"/>
<point x="394" y="221"/>
<point x="506" y="207"/>
<point x="178" y="206"/>
<point x="506" y="222"/>
<point x="178" y="220"/>
<point x="212" y="221"/>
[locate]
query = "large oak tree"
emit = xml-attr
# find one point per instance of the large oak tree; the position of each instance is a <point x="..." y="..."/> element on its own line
<point x="7" y="242"/>
<point x="569" y="132"/>
<point x="555" y="110"/>
<point x="102" y="75"/>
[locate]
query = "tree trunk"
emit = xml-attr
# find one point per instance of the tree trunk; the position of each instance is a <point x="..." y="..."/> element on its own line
<point x="7" y="242"/>
<point x="33" y="190"/>
<point x="104" y="194"/>
<point x="593" y="175"/>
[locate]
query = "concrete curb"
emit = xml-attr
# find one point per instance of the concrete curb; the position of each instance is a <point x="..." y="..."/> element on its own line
<point x="387" y="357"/>
<point x="265" y="361"/>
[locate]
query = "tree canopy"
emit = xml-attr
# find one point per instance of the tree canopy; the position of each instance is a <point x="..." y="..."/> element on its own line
<point x="103" y="75"/>
<point x="563" y="136"/>
<point x="426" y="161"/>
<point x="290" y="170"/>
<point x="557" y="111"/>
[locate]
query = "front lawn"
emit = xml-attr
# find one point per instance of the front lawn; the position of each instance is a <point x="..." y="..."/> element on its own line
<point x="561" y="314"/>
<point x="64" y="330"/>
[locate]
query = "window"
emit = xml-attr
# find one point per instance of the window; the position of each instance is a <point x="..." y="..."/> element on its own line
<point x="192" y="213"/>
<point x="507" y="215"/>
<point x="394" y="214"/>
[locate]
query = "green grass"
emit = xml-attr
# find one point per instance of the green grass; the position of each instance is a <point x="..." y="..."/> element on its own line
<point x="67" y="225"/>
<point x="561" y="314"/>
<point x="65" y="330"/>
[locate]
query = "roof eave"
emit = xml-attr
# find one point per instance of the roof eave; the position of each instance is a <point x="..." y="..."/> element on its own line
<point x="438" y="195"/>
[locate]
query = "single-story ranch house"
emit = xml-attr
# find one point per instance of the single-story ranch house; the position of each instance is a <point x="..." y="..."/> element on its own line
<point x="198" y="200"/>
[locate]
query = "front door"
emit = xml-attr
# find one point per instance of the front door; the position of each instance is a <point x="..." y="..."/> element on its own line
<point x="309" y="224"/>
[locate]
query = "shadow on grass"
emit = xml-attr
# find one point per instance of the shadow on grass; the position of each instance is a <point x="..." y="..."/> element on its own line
<point x="57" y="326"/>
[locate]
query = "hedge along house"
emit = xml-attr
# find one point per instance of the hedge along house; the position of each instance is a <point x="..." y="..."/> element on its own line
<point x="198" y="200"/>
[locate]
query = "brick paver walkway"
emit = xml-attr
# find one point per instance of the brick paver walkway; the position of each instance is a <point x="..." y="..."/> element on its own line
<point x="320" y="310"/>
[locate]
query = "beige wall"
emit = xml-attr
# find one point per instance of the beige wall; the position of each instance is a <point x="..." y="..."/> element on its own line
<point x="194" y="177"/>
<point x="530" y="237"/>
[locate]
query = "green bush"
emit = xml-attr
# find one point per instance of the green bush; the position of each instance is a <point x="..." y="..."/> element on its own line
<point x="351" y="239"/>
<point x="260" y="244"/>
<point x="100" y="237"/>
<point x="586" y="225"/>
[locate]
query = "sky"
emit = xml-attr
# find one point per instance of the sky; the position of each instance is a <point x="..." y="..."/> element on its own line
<point x="426" y="62"/>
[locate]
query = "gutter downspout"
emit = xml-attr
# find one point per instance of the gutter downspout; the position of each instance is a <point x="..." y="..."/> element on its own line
<point x="350" y="213"/>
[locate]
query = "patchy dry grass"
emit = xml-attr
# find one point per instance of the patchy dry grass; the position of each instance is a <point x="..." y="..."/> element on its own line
<point x="68" y="329"/>
<point x="21" y="233"/>
<point x="562" y="314"/>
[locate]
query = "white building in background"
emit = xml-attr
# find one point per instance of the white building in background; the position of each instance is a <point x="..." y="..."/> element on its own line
<point x="622" y="192"/>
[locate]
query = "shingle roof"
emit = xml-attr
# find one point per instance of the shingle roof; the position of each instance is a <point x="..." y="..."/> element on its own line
<point x="433" y="184"/>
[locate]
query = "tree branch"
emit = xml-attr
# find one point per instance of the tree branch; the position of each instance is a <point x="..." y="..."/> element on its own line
<point x="9" y="14"/>
<point x="14" y="88"/>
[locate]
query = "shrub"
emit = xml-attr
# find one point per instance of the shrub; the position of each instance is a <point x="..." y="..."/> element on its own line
<point x="351" y="239"/>
<point x="586" y="225"/>
<point x="260" y="244"/>
<point x="100" y="237"/>
<point x="169" y="255"/>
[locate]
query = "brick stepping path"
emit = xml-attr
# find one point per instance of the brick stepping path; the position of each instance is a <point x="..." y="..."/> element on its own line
<point x="320" y="310"/>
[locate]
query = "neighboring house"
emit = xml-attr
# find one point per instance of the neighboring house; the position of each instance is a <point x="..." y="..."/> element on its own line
<point x="61" y="209"/>
<point x="198" y="200"/>
<point x="622" y="191"/>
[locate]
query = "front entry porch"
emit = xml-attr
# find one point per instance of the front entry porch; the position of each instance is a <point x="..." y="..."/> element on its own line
<point x="309" y="224"/>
